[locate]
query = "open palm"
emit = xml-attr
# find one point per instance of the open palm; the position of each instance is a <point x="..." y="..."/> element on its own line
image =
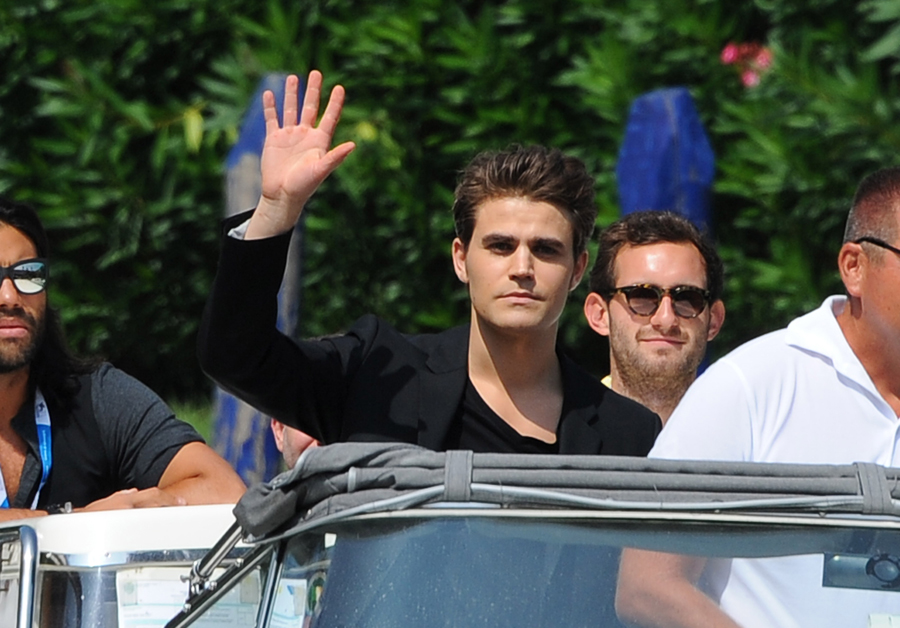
<point x="297" y="156"/>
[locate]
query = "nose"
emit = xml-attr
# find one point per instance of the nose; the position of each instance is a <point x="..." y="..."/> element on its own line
<point x="9" y="296"/>
<point x="522" y="263"/>
<point x="664" y="317"/>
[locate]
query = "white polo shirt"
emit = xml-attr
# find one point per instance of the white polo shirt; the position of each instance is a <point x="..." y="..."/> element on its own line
<point x="795" y="395"/>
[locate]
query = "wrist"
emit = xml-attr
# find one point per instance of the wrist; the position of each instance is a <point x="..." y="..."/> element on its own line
<point x="272" y="219"/>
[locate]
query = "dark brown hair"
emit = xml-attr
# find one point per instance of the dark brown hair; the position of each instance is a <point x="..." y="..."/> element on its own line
<point x="651" y="227"/>
<point x="875" y="205"/>
<point x="535" y="173"/>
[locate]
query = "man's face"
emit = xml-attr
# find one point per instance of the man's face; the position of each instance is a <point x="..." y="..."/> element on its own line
<point x="871" y="279"/>
<point x="21" y="315"/>
<point x="291" y="442"/>
<point x="519" y="264"/>
<point x="662" y="344"/>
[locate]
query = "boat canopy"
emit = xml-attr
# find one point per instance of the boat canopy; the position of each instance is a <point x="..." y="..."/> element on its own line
<point x="353" y="478"/>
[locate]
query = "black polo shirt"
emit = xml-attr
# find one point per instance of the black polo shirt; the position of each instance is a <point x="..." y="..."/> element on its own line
<point x="116" y="434"/>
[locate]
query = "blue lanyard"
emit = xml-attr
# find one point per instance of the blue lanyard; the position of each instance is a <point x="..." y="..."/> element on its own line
<point x="42" y="422"/>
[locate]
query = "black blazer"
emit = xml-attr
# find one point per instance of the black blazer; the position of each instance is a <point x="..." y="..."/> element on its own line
<point x="374" y="383"/>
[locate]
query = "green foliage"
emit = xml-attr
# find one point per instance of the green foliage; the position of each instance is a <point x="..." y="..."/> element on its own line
<point x="101" y="120"/>
<point x="791" y="153"/>
<point x="116" y="116"/>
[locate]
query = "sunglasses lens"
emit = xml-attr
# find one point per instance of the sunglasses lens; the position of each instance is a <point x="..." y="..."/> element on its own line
<point x="642" y="301"/>
<point x="29" y="277"/>
<point x="688" y="302"/>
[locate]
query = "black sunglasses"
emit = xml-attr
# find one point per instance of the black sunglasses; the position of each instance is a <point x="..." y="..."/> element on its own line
<point x="28" y="276"/>
<point x="644" y="299"/>
<point x="877" y="242"/>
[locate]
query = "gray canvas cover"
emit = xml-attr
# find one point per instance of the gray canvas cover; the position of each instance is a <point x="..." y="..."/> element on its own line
<point x="367" y="477"/>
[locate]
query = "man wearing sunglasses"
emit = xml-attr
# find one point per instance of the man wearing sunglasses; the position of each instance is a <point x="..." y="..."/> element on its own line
<point x="523" y="218"/>
<point x="825" y="390"/>
<point x="76" y="434"/>
<point x="656" y="293"/>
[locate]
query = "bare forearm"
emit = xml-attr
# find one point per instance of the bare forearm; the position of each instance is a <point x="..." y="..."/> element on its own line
<point x="199" y="476"/>
<point x="11" y="514"/>
<point x="205" y="490"/>
<point x="657" y="590"/>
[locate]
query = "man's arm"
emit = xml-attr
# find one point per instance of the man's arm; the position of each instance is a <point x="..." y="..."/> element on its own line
<point x="238" y="344"/>
<point x="200" y="476"/>
<point x="196" y="475"/>
<point x="157" y="458"/>
<point x="657" y="590"/>
<point x="11" y="514"/>
<point x="712" y="422"/>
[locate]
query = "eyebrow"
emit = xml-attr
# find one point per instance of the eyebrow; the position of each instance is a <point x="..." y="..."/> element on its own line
<point x="503" y="237"/>
<point x="554" y="242"/>
<point x="493" y="238"/>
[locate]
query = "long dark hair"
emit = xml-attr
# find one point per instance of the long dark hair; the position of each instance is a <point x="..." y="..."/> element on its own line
<point x="55" y="368"/>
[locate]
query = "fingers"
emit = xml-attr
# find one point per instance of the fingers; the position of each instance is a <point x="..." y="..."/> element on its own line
<point x="154" y="498"/>
<point x="332" y="114"/>
<point x="133" y="498"/>
<point x="311" y="99"/>
<point x="291" y="86"/>
<point x="269" y="112"/>
<point x="336" y="156"/>
<point x="116" y="501"/>
<point x="310" y="111"/>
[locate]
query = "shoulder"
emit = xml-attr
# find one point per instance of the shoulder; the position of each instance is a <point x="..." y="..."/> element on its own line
<point x="749" y="370"/>
<point x="758" y="348"/>
<point x="370" y="329"/>
<point x="370" y="325"/>
<point x="124" y="408"/>
<point x="754" y="363"/>
<point x="110" y="385"/>
<point x="723" y="409"/>
<point x="121" y="403"/>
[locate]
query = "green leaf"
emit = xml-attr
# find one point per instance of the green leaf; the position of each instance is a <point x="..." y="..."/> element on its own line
<point x="887" y="46"/>
<point x="193" y="129"/>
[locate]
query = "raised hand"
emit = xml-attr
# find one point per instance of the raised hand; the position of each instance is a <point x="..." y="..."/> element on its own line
<point x="297" y="156"/>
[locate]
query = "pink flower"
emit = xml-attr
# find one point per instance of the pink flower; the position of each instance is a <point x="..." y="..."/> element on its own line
<point x="750" y="78"/>
<point x="763" y="59"/>
<point x="750" y="60"/>
<point x="730" y="53"/>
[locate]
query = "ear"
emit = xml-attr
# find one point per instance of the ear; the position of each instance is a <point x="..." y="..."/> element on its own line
<point x="596" y="311"/>
<point x="716" y="319"/>
<point x="852" y="264"/>
<point x="278" y="433"/>
<point x="459" y="260"/>
<point x="580" y="266"/>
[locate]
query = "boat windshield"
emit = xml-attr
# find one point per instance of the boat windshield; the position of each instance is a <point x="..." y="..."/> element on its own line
<point x="547" y="570"/>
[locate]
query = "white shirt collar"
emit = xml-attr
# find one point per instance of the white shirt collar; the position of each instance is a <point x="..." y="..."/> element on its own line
<point x="818" y="332"/>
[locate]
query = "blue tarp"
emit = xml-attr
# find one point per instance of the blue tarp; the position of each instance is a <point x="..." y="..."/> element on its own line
<point x="666" y="161"/>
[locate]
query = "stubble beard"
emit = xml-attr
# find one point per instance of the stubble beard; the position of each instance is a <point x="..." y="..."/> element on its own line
<point x="658" y="384"/>
<point x="16" y="354"/>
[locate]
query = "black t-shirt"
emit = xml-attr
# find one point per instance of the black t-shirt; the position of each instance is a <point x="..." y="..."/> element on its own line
<point x="117" y="434"/>
<point x="481" y="430"/>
